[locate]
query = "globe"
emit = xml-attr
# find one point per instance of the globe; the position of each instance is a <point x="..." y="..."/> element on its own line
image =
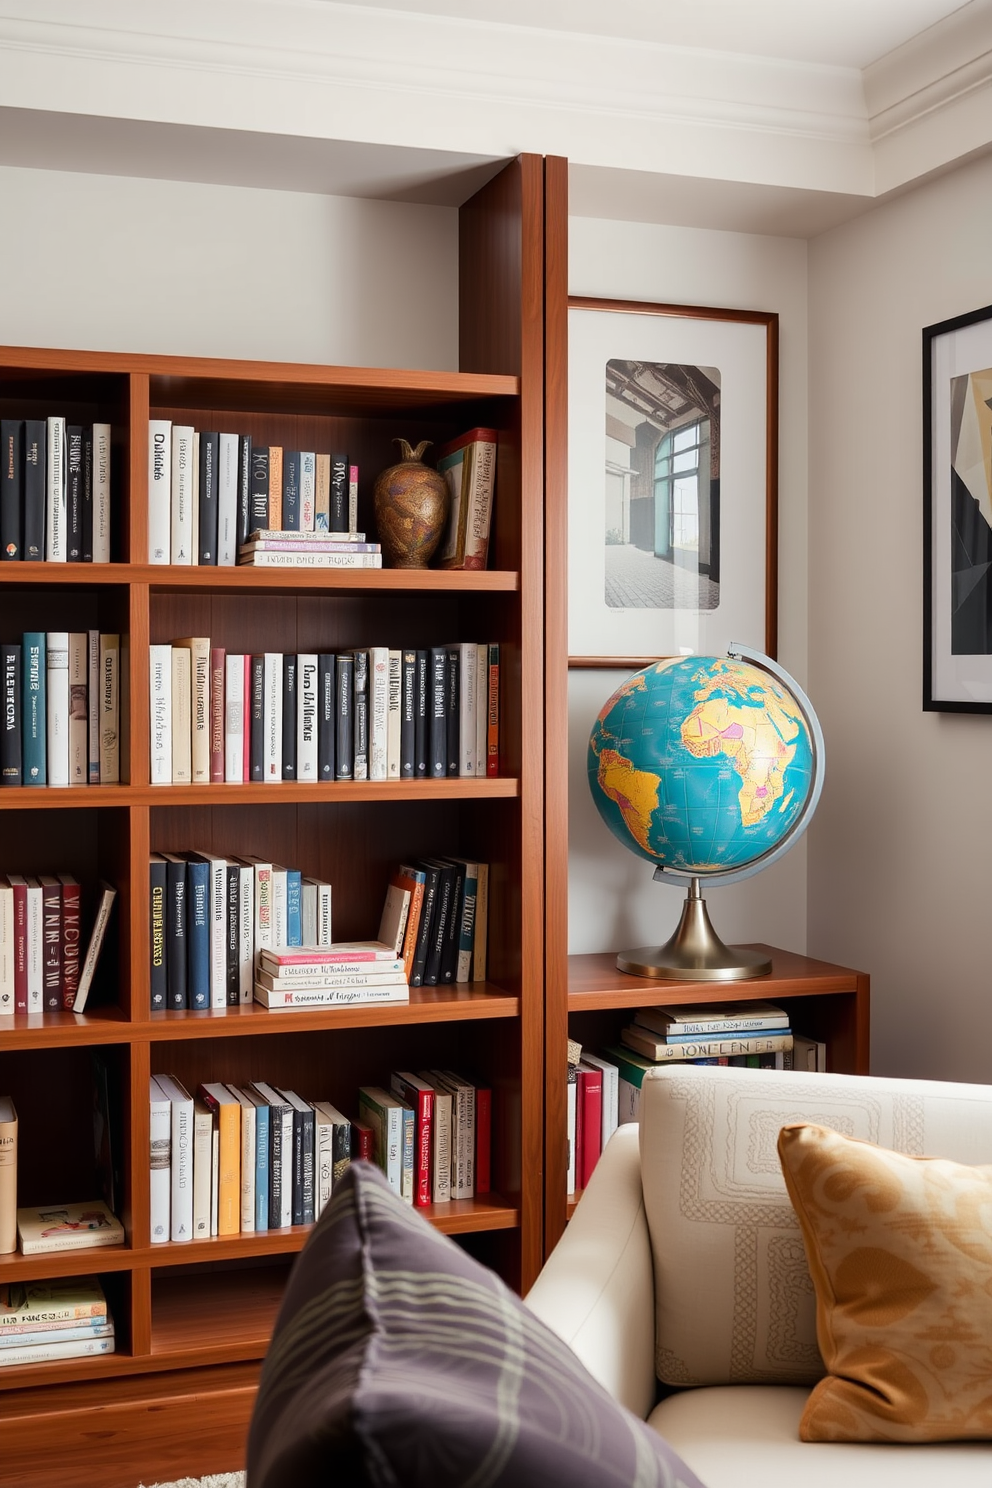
<point x="709" y="767"/>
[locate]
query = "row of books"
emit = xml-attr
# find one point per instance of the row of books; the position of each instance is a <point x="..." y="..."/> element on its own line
<point x="278" y="549"/>
<point x="54" y="491"/>
<point x="61" y="709"/>
<point x="42" y="965"/>
<point x="238" y="1159"/>
<point x="66" y="1318"/>
<point x="207" y="492"/>
<point x="376" y="714"/>
<point x="604" y="1089"/>
<point x="436" y="918"/>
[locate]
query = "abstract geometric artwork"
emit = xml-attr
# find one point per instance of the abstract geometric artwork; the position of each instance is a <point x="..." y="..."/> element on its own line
<point x="971" y="513"/>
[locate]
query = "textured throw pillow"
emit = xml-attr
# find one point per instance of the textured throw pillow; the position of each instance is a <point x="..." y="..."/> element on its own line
<point x="900" y="1251"/>
<point x="399" y="1360"/>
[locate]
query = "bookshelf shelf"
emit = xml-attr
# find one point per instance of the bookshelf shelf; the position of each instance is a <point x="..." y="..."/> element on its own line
<point x="196" y="1318"/>
<point x="594" y="982"/>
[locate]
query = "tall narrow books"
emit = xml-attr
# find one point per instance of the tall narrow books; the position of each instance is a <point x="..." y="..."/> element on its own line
<point x="8" y="1176"/>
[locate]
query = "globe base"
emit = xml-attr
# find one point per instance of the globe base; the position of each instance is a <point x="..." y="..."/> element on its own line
<point x="695" y="953"/>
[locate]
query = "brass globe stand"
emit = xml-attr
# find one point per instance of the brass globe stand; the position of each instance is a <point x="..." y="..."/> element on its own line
<point x="695" y="953"/>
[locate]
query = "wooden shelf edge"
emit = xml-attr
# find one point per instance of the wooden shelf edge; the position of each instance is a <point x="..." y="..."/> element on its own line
<point x="595" y="983"/>
<point x="77" y="1374"/>
<point x="49" y="798"/>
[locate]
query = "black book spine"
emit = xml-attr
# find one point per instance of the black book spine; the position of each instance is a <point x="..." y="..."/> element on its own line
<point x="408" y="715"/>
<point x="74" y="494"/>
<point x="452" y="701"/>
<point x="259" y="519"/>
<point x="209" y="449"/>
<point x="291" y="491"/>
<point x="257" y="738"/>
<point x="360" y="763"/>
<point x="289" y="716"/>
<point x="344" y="689"/>
<point x="326" y="716"/>
<point x="11" y="772"/>
<point x="439" y="925"/>
<point x="438" y="755"/>
<point x="244" y="489"/>
<point x="233" y="933"/>
<point x="449" y="950"/>
<point x="421" y="725"/>
<point x="176" y="950"/>
<point x="11" y="494"/>
<point x="307" y="1118"/>
<point x="297" y="1167"/>
<point x="339" y="493"/>
<point x="276" y="1158"/>
<point x="424" y="929"/>
<point x="159" y="967"/>
<point x="88" y="495"/>
<point x="35" y="435"/>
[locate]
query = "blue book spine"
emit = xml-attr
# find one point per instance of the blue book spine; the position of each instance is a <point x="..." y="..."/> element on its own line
<point x="262" y="1167"/>
<point x="198" y="933"/>
<point x="291" y="491"/>
<point x="34" y="738"/>
<point x="294" y="907"/>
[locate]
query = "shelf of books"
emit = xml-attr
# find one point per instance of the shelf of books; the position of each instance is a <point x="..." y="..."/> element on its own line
<point x="271" y="880"/>
<point x="805" y="1014"/>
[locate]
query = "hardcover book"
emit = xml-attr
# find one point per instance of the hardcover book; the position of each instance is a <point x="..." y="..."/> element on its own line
<point x="68" y="1227"/>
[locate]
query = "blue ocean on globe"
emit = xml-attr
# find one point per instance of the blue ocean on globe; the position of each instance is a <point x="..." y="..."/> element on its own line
<point x="702" y="764"/>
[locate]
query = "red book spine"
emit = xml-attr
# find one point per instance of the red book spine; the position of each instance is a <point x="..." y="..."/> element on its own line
<point x="362" y="1142"/>
<point x="246" y="723"/>
<point x="579" y="1133"/>
<point x="71" y="917"/>
<point x="492" y="728"/>
<point x="217" y="655"/>
<point x="591" y="1097"/>
<point x="483" y="1139"/>
<point x="422" y="1154"/>
<point x="20" y="945"/>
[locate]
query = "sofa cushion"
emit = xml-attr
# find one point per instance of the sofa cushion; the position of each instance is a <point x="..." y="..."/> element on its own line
<point x="398" y="1360"/>
<point x="733" y="1295"/>
<point x="747" y="1436"/>
<point x="900" y="1251"/>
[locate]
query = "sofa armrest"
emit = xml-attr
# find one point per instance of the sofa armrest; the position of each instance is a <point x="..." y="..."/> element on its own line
<point x="597" y="1288"/>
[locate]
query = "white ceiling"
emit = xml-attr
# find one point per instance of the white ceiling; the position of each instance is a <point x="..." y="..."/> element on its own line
<point x="838" y="33"/>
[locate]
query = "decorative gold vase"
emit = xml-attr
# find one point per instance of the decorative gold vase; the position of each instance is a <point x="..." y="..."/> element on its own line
<point x="411" y="509"/>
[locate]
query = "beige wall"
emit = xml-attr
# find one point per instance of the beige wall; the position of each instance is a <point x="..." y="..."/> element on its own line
<point x="120" y="263"/>
<point x="613" y="900"/>
<point x="900" y="854"/>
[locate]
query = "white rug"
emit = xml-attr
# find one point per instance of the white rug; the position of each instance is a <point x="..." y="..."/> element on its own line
<point x="214" y="1480"/>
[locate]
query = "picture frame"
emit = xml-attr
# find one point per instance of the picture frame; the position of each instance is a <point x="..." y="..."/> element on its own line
<point x="957" y="514"/>
<point x="673" y="538"/>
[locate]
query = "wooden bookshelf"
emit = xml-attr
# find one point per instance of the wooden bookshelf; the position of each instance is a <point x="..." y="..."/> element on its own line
<point x="189" y="1315"/>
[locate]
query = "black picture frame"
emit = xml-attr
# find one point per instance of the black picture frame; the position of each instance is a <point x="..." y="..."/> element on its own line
<point x="957" y="514"/>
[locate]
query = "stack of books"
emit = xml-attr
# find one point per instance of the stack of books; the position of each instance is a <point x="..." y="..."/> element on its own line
<point x="208" y="492"/>
<point x="375" y="714"/>
<point x="436" y="918"/>
<point x="237" y="1159"/>
<point x="42" y="968"/>
<point x="278" y="549"/>
<point x="61" y="709"/>
<point x="61" y="1319"/>
<point x="362" y="971"/>
<point x="54" y="491"/>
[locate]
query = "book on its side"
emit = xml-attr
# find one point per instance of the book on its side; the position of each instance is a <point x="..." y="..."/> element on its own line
<point x="8" y="1180"/>
<point x="656" y="1049"/>
<point x="55" y="1227"/>
<point x="36" y="1304"/>
<point x="161" y="1163"/>
<point x="712" y="1020"/>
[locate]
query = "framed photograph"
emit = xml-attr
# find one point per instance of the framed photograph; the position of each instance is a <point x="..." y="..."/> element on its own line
<point x="957" y="514"/>
<point x="673" y="481"/>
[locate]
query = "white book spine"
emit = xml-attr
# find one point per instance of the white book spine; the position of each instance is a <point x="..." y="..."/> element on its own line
<point x="306" y="710"/>
<point x="181" y="752"/>
<point x="78" y="708"/>
<point x="6" y="950"/>
<point x="308" y="906"/>
<point x="246" y="938"/>
<point x="279" y="908"/>
<point x="36" y="949"/>
<point x="352" y="498"/>
<point x="248" y="1123"/>
<point x="181" y="545"/>
<point x="467" y="674"/>
<point x="273" y="715"/>
<point x="160" y="743"/>
<point x="55" y="509"/>
<point x="93" y="705"/>
<point x="323" y="1165"/>
<point x="182" y="1158"/>
<point x="441" y="1192"/>
<point x="394" y="715"/>
<point x="161" y="1164"/>
<point x="324" y="915"/>
<point x="378" y="712"/>
<point x="286" y="1198"/>
<point x="218" y="932"/>
<point x="159" y="490"/>
<point x="196" y="519"/>
<point x="234" y="719"/>
<point x="215" y="1179"/>
<point x="199" y="662"/>
<point x="57" y="683"/>
<point x="110" y="709"/>
<point x="227" y="500"/>
<point x="101" y="493"/>
<point x="308" y="475"/>
<point x="203" y="1128"/>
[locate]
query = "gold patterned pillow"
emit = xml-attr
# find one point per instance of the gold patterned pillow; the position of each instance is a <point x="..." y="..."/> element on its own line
<point x="900" y="1251"/>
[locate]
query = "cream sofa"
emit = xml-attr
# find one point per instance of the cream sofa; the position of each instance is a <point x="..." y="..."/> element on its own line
<point x="684" y="1256"/>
